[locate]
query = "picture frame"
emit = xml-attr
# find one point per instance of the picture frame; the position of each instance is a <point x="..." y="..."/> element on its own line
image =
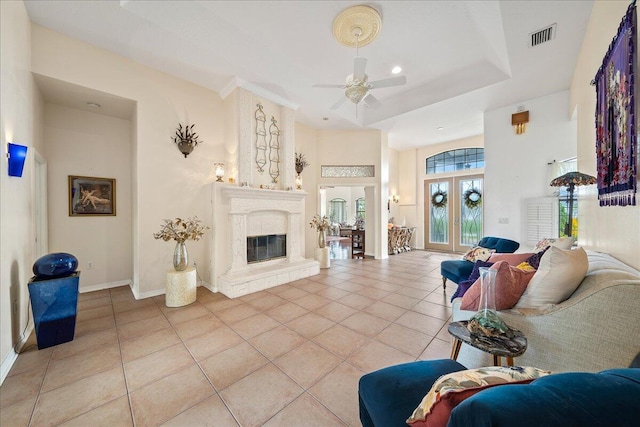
<point x="92" y="196"/>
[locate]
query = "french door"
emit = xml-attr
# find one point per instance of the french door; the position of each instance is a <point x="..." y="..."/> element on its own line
<point x="453" y="212"/>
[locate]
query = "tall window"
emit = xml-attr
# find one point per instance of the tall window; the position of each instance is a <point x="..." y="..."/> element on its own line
<point x="360" y="208"/>
<point x="338" y="210"/>
<point x="454" y="160"/>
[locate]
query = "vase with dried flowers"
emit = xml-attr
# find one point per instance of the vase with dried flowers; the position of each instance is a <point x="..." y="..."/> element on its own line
<point x="322" y="225"/>
<point x="181" y="230"/>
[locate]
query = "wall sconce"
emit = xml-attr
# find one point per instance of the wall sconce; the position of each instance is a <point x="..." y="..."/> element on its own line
<point x="395" y="198"/>
<point x="16" y="154"/>
<point x="519" y="122"/>
<point x="298" y="182"/>
<point x="219" y="170"/>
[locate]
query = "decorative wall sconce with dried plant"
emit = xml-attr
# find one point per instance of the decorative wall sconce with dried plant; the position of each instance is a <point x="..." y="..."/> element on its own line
<point x="186" y="139"/>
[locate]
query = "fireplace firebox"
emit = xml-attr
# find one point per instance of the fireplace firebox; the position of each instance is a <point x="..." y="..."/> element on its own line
<point x="266" y="248"/>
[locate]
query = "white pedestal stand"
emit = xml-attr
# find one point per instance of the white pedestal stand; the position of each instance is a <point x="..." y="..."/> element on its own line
<point x="322" y="256"/>
<point x="181" y="287"/>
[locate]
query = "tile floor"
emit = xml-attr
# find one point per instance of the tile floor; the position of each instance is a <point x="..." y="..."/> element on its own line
<point x="288" y="356"/>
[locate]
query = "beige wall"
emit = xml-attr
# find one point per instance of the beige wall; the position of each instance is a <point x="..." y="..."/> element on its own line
<point x="89" y="144"/>
<point x="166" y="185"/>
<point x="361" y="147"/>
<point x="613" y="229"/>
<point x="516" y="166"/>
<point x="20" y="123"/>
<point x="412" y="215"/>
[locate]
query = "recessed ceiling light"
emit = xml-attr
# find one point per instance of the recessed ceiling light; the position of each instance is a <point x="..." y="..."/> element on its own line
<point x="396" y="70"/>
<point x="440" y="128"/>
<point x="94" y="105"/>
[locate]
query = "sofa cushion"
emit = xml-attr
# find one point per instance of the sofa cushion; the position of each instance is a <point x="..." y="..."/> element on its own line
<point x="389" y="395"/>
<point x="609" y="398"/>
<point x="509" y="286"/>
<point x="451" y="389"/>
<point x="464" y="286"/>
<point x="478" y="253"/>
<point x="559" y="274"/>
<point x="512" y="259"/>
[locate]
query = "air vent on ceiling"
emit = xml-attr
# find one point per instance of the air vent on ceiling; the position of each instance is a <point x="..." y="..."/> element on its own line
<point x="542" y="36"/>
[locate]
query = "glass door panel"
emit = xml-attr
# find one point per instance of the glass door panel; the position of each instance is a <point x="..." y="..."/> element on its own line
<point x="438" y="214"/>
<point x="469" y="218"/>
<point x="453" y="212"/>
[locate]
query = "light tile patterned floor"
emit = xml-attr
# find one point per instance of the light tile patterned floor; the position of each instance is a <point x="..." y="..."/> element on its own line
<point x="288" y="356"/>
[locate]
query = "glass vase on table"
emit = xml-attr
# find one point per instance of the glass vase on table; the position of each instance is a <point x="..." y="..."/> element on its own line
<point x="486" y="320"/>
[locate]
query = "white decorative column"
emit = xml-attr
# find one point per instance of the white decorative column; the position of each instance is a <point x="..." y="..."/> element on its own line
<point x="238" y="241"/>
<point x="245" y="134"/>
<point x="287" y="147"/>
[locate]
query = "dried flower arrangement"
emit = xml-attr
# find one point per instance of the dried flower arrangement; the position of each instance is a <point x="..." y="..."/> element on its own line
<point x="301" y="163"/>
<point x="181" y="230"/>
<point x="186" y="139"/>
<point x="320" y="223"/>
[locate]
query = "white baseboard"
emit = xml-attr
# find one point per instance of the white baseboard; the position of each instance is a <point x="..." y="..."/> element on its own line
<point x="11" y="358"/>
<point x="7" y="364"/>
<point x="108" y="285"/>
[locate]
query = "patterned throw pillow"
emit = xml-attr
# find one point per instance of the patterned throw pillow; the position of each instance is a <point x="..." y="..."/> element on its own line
<point x="451" y="389"/>
<point x="478" y="253"/>
<point x="562" y="243"/>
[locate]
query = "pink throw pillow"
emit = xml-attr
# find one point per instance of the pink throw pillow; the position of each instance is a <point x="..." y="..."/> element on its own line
<point x="510" y="285"/>
<point x="512" y="259"/>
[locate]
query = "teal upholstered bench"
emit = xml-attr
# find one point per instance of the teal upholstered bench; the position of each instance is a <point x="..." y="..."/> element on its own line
<point x="458" y="270"/>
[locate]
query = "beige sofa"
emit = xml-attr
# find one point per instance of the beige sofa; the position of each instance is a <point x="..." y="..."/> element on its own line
<point x="596" y="328"/>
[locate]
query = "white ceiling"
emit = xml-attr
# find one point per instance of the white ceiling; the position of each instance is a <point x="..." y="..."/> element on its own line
<point x="461" y="58"/>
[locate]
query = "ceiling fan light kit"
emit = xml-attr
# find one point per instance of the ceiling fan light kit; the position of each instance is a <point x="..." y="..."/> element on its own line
<point x="354" y="27"/>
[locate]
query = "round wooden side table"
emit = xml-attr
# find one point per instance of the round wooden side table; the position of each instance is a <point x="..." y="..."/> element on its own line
<point x="510" y="345"/>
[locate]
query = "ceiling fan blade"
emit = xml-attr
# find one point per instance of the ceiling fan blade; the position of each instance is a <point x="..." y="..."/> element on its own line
<point x="372" y="101"/>
<point x="339" y="103"/>
<point x="359" y="64"/>
<point x="393" y="81"/>
<point x="330" y="86"/>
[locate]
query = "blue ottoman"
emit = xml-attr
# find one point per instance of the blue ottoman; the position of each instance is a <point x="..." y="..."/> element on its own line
<point x="389" y="396"/>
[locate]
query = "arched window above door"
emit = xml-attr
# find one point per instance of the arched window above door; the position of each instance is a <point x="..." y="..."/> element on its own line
<point x="455" y="160"/>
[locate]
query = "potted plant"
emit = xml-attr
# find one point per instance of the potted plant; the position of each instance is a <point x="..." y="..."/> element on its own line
<point x="186" y="139"/>
<point x="181" y="230"/>
<point x="321" y="224"/>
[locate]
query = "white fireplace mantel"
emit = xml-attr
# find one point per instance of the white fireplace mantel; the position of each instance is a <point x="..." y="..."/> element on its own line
<point x="272" y="211"/>
<point x="260" y="193"/>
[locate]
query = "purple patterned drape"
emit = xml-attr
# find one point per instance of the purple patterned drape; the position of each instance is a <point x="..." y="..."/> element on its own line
<point x="616" y="143"/>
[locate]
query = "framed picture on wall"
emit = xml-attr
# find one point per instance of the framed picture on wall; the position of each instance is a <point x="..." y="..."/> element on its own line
<point x="90" y="196"/>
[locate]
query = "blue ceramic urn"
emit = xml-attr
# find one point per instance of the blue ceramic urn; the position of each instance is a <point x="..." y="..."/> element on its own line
<point x="57" y="264"/>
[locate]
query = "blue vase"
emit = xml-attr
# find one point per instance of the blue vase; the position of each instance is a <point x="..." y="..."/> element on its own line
<point x="57" y="264"/>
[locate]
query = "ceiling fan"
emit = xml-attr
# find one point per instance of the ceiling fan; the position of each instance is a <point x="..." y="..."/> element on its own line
<point x="357" y="86"/>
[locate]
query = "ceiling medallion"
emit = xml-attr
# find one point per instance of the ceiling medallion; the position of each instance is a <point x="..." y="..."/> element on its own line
<point x="357" y="25"/>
